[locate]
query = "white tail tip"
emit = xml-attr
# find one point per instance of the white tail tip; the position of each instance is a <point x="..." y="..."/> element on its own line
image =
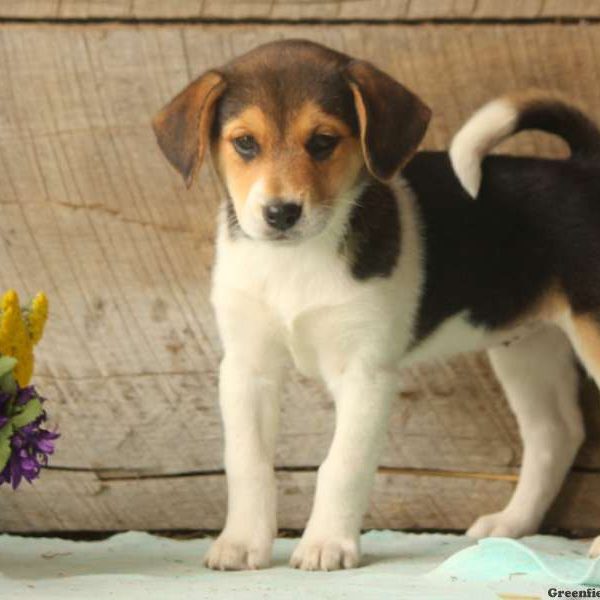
<point x="484" y="130"/>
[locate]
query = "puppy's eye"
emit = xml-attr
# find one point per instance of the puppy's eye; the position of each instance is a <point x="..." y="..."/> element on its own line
<point x="246" y="146"/>
<point x="320" y="146"/>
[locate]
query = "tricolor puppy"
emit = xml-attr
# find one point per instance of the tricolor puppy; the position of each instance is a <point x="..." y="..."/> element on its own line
<point x="330" y="258"/>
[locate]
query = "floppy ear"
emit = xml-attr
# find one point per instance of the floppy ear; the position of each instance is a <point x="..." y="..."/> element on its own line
<point x="392" y="119"/>
<point x="183" y="126"/>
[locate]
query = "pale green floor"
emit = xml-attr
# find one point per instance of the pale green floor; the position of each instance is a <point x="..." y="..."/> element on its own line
<point x="134" y="566"/>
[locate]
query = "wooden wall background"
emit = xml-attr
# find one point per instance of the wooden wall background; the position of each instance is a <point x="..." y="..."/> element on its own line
<point x="92" y="214"/>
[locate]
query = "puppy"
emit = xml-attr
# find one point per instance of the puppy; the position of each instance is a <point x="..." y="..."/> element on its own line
<point x="327" y="257"/>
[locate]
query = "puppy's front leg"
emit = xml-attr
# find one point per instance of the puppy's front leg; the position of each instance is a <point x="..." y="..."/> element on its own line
<point x="331" y="539"/>
<point x="249" y="387"/>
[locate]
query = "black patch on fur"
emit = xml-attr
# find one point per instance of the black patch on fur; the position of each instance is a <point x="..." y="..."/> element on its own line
<point x="535" y="222"/>
<point x="566" y="121"/>
<point x="372" y="244"/>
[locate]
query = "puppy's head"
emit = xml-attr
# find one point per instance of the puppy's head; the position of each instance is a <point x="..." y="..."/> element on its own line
<point x="293" y="127"/>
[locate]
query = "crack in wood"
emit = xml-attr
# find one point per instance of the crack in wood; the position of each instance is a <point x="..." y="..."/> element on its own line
<point x="99" y="22"/>
<point x="101" y="208"/>
<point x="111" y="474"/>
<point x="111" y="376"/>
<point x="107" y="474"/>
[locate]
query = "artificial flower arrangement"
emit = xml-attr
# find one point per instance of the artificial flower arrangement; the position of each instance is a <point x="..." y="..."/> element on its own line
<point x="24" y="443"/>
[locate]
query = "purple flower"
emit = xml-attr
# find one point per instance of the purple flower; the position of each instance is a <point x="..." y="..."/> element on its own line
<point x="24" y="395"/>
<point x="30" y="445"/>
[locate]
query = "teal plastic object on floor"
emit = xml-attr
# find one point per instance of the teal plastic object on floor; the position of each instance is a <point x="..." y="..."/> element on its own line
<point x="502" y="558"/>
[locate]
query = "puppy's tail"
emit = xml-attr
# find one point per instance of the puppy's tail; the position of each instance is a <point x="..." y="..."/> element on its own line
<point x="510" y="114"/>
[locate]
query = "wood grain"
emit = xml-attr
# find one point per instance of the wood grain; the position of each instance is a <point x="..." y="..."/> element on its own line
<point x="93" y="215"/>
<point x="399" y="501"/>
<point x="342" y="10"/>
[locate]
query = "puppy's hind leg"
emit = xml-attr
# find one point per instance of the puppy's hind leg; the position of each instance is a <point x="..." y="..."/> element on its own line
<point x="539" y="376"/>
<point x="584" y="332"/>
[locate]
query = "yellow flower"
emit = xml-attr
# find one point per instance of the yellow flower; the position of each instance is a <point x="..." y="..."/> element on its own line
<point x="10" y="317"/>
<point x="20" y="330"/>
<point x="9" y="299"/>
<point x="37" y="317"/>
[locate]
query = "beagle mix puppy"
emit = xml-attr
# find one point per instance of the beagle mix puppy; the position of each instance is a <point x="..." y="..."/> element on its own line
<point x="327" y="256"/>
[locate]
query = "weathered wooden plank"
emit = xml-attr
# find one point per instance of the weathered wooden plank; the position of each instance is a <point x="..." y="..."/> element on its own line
<point x="563" y="8"/>
<point x="399" y="501"/>
<point x="376" y="10"/>
<point x="93" y="215"/>
<point x="511" y="9"/>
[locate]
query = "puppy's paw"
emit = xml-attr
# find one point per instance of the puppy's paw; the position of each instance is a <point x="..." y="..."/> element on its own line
<point x="229" y="554"/>
<point x="595" y="548"/>
<point x="500" y="524"/>
<point x="326" y="554"/>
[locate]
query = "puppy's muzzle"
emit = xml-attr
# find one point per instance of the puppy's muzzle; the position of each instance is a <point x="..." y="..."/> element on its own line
<point x="282" y="215"/>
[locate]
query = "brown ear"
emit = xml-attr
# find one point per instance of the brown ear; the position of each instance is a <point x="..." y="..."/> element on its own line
<point x="392" y="119"/>
<point x="183" y="126"/>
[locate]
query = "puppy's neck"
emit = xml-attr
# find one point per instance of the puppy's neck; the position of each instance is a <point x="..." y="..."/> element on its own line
<point x="364" y="231"/>
<point x="371" y="243"/>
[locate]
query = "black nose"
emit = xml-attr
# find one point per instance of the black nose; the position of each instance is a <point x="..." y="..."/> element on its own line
<point x="282" y="215"/>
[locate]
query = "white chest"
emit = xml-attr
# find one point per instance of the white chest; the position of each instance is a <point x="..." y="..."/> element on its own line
<point x="290" y="280"/>
<point x="324" y="315"/>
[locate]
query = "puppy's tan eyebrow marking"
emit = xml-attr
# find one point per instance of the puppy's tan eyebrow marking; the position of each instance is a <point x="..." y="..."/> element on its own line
<point x="251" y="120"/>
<point x="311" y="118"/>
